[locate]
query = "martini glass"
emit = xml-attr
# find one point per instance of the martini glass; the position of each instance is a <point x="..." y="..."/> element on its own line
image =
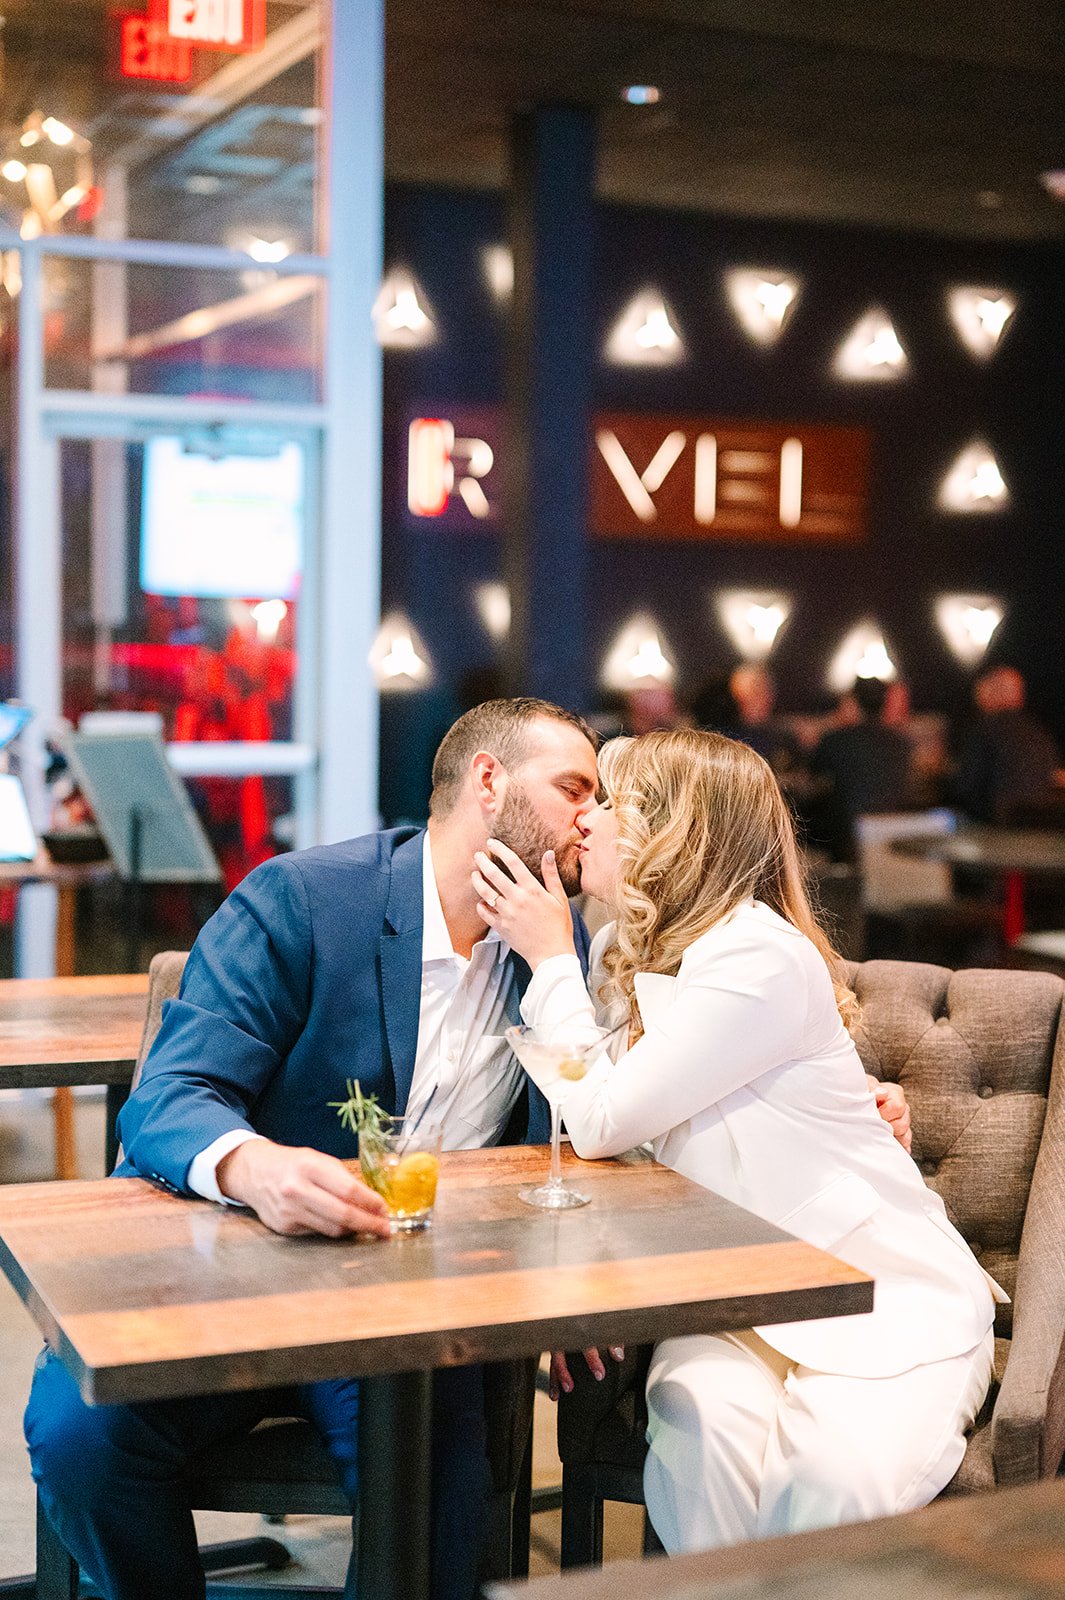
<point x="554" y="1065"/>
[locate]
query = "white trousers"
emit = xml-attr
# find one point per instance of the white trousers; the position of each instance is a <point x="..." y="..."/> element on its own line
<point x="745" y="1444"/>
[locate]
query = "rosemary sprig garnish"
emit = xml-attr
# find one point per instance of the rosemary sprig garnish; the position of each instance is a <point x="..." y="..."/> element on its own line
<point x="360" y="1113"/>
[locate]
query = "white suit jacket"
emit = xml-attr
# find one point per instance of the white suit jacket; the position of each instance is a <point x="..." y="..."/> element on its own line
<point x="746" y="1081"/>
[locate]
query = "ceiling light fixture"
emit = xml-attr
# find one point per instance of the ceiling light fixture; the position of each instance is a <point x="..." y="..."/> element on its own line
<point x="762" y="301"/>
<point x="641" y="94"/>
<point x="872" y="350"/>
<point x="269" y="250"/>
<point x="14" y="171"/>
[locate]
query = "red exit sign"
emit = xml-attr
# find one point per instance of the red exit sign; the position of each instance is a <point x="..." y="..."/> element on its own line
<point x="148" y="51"/>
<point x="230" y="25"/>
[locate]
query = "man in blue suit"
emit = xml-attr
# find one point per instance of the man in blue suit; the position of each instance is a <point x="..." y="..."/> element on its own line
<point x="364" y="960"/>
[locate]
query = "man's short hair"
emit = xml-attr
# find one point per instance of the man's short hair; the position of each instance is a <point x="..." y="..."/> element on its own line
<point x="503" y="728"/>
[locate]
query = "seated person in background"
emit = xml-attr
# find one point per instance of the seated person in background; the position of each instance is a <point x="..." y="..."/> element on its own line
<point x="742" y="1072"/>
<point x="1007" y="759"/>
<point x="867" y="767"/>
<point x="369" y="960"/>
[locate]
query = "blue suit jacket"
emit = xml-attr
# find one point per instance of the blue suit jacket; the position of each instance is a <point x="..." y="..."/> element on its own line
<point x="308" y="975"/>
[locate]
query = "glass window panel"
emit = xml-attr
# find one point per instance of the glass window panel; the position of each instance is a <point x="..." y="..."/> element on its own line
<point x="164" y="138"/>
<point x="251" y="334"/>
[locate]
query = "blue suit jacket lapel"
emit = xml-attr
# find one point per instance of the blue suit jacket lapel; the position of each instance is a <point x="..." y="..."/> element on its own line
<point x="401" y="964"/>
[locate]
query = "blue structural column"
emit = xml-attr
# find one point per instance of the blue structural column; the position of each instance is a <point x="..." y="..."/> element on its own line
<point x="549" y="357"/>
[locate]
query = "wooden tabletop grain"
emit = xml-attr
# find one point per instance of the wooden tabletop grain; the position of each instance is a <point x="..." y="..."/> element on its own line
<point x="1008" y="1545"/>
<point x="146" y="1295"/>
<point x="56" y="1031"/>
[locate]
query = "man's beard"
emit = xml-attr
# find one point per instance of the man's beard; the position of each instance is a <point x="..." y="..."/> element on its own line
<point x="520" y="826"/>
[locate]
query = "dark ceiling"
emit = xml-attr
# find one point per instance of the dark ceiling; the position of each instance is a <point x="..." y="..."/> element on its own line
<point x="931" y="115"/>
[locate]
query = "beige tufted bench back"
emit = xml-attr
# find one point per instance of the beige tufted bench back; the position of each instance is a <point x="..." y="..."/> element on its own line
<point x="973" y="1050"/>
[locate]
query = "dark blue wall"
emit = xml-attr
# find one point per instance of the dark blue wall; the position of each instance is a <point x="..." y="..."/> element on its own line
<point x="918" y="425"/>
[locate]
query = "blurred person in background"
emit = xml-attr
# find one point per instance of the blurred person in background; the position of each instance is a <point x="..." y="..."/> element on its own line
<point x="867" y="767"/>
<point x="1007" y="759"/>
<point x="755" y="692"/>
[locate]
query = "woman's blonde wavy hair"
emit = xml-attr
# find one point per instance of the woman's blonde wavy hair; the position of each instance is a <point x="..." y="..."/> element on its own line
<point x="702" y="826"/>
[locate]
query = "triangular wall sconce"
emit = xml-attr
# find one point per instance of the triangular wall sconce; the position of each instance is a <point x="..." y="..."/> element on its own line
<point x="762" y="301"/>
<point x="872" y="350"/>
<point x="638" y="657"/>
<point x="980" y="316"/>
<point x="398" y="657"/>
<point x="645" y="334"/>
<point x="974" y="482"/>
<point x="863" y="654"/>
<point x="401" y="316"/>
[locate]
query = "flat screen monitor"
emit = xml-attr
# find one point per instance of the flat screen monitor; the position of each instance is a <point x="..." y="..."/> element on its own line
<point x="229" y="526"/>
<point x="18" y="842"/>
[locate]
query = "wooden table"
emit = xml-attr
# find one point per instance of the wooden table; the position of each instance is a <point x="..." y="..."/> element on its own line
<point x="147" y="1296"/>
<point x="55" y="1032"/>
<point x="1011" y="853"/>
<point x="67" y="879"/>
<point x="1009" y="1545"/>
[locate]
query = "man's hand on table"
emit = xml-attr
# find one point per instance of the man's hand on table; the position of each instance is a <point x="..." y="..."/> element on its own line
<point x="892" y="1106"/>
<point x="296" y="1190"/>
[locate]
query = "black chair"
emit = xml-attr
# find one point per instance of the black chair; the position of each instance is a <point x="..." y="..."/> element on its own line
<point x="281" y="1468"/>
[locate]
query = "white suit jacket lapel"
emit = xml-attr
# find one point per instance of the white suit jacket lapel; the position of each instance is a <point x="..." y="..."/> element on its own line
<point x="654" y="991"/>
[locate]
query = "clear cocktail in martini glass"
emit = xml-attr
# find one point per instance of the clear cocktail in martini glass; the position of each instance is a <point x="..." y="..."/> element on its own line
<point x="555" y="1065"/>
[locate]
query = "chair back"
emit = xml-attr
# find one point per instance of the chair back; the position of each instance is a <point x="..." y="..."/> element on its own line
<point x="164" y="981"/>
<point x="975" y="1051"/>
<point x="891" y="881"/>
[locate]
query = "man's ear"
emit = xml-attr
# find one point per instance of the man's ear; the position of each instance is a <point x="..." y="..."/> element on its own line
<point x="489" y="779"/>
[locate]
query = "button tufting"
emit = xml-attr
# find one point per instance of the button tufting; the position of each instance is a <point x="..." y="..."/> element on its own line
<point x="985" y="1091"/>
<point x="928" y="1167"/>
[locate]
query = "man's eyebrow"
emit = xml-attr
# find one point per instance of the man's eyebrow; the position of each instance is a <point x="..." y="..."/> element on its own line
<point x="580" y="778"/>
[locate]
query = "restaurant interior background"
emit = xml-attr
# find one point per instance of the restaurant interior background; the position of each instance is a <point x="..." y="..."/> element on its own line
<point x="826" y="230"/>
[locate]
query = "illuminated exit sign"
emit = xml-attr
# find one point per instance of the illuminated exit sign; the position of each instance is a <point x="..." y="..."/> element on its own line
<point x="230" y="25"/>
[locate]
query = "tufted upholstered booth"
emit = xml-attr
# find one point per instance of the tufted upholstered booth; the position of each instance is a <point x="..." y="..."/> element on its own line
<point x="981" y="1056"/>
<point x="282" y="1468"/>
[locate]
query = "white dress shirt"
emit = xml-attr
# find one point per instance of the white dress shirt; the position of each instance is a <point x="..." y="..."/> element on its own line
<point x="462" y="1063"/>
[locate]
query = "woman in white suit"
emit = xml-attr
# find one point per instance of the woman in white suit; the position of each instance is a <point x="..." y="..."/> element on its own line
<point x="741" y="1072"/>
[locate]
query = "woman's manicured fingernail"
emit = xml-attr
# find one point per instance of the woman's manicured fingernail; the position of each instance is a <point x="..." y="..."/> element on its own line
<point x="617" y="1352"/>
<point x="549" y="855"/>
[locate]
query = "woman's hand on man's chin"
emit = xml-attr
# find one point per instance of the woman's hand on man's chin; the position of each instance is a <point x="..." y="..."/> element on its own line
<point x="533" y="918"/>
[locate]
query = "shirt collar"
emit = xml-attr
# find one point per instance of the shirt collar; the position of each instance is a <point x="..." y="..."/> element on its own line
<point x="436" y="941"/>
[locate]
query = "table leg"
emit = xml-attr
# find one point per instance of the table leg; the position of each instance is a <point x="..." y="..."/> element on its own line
<point x="66" y="1155"/>
<point x="395" y="1440"/>
<point x="117" y="1095"/>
